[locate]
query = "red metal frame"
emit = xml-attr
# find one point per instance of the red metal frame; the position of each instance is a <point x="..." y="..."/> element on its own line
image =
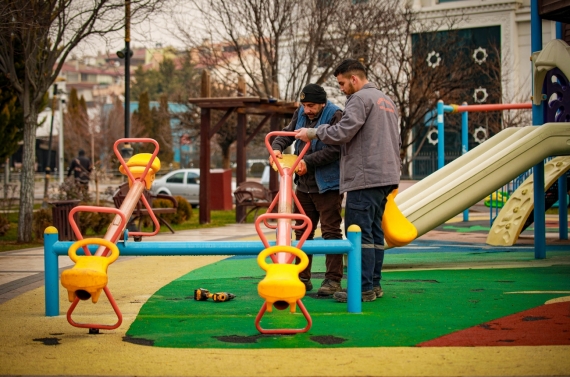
<point x="117" y="226"/>
<point x="284" y="227"/>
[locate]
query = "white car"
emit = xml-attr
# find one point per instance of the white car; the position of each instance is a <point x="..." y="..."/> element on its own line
<point x="183" y="182"/>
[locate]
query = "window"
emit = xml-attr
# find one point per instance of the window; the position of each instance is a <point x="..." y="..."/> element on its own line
<point x="193" y="178"/>
<point x="176" y="178"/>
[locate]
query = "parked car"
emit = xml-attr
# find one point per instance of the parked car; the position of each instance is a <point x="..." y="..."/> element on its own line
<point x="183" y="182"/>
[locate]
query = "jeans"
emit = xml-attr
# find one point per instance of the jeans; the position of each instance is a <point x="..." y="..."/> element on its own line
<point x="325" y="207"/>
<point x="365" y="208"/>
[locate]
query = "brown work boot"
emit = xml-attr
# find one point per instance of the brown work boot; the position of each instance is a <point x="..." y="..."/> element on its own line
<point x="379" y="292"/>
<point x="308" y="284"/>
<point x="367" y="296"/>
<point x="329" y="287"/>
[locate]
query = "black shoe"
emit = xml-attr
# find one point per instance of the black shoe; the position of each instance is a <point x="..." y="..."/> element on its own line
<point x="308" y="284"/>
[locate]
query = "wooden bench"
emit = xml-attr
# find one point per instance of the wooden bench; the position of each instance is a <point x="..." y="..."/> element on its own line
<point x="252" y="194"/>
<point x="140" y="211"/>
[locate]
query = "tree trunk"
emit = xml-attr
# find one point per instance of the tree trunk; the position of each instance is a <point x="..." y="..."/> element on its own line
<point x="27" y="177"/>
<point x="226" y="157"/>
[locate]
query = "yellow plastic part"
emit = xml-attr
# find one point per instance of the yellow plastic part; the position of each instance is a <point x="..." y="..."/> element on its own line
<point x="286" y="161"/>
<point x="137" y="164"/>
<point x="509" y="222"/>
<point x="282" y="281"/>
<point x="398" y="230"/>
<point x="89" y="275"/>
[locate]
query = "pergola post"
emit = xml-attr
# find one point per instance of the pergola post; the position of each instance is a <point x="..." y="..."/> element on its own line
<point x="205" y="152"/>
<point x="240" y="146"/>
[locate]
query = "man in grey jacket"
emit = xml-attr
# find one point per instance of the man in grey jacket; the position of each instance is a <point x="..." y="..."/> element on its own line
<point x="368" y="134"/>
<point x="317" y="180"/>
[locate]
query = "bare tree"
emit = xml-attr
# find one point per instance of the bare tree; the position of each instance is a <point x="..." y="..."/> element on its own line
<point x="46" y="32"/>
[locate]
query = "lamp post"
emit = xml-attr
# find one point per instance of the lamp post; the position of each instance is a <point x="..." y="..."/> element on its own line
<point x="48" y="164"/>
<point x="127" y="150"/>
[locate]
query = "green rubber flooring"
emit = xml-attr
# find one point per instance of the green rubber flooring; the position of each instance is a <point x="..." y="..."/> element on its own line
<point x="418" y="305"/>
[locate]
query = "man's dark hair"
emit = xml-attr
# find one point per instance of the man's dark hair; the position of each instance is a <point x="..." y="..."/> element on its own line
<point x="352" y="66"/>
<point x="81" y="152"/>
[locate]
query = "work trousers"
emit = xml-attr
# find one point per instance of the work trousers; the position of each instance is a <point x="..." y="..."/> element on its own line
<point x="325" y="207"/>
<point x="365" y="208"/>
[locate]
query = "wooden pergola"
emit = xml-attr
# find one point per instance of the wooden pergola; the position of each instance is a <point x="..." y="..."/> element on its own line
<point x="271" y="110"/>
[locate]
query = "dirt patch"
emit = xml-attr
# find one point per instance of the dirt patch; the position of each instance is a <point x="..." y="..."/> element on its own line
<point x="327" y="339"/>
<point x="48" y="341"/>
<point x="139" y="341"/>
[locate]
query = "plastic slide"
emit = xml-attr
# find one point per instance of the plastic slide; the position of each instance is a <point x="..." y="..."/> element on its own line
<point x="514" y="216"/>
<point x="473" y="176"/>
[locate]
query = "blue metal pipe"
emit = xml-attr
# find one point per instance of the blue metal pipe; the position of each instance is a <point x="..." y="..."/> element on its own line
<point x="537" y="120"/>
<point x="559" y="30"/>
<point x="440" y="137"/>
<point x="51" y="272"/>
<point x="53" y="248"/>
<point x="465" y="144"/>
<point x="210" y="248"/>
<point x="563" y="207"/>
<point x="354" y="270"/>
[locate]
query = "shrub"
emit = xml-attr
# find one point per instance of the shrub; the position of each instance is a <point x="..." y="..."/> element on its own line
<point x="184" y="211"/>
<point x="4" y="225"/>
<point x="41" y="220"/>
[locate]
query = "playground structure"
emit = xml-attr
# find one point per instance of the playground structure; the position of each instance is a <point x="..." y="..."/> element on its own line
<point x="281" y="288"/>
<point x="551" y="69"/>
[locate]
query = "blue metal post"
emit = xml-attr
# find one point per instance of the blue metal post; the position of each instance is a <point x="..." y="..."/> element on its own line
<point x="51" y="272"/>
<point x="354" y="284"/>
<point x="563" y="207"/>
<point x="559" y="30"/>
<point x="465" y="144"/>
<point x="538" y="170"/>
<point x="440" y="138"/>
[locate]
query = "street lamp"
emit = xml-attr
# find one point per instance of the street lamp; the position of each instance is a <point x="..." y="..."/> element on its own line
<point x="127" y="150"/>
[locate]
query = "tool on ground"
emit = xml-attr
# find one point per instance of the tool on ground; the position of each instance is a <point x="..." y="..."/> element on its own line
<point x="202" y="294"/>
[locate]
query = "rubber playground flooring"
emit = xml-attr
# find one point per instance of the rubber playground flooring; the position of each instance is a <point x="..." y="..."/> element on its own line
<point x="450" y="308"/>
<point x="418" y="307"/>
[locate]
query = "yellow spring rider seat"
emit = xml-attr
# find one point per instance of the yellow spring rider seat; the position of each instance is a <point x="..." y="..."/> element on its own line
<point x="281" y="286"/>
<point x="137" y="164"/>
<point x="89" y="275"/>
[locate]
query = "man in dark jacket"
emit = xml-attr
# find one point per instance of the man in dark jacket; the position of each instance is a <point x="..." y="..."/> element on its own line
<point x="369" y="136"/>
<point x="81" y="168"/>
<point x="317" y="180"/>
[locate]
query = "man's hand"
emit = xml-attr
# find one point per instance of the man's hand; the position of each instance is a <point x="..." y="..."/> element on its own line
<point x="301" y="168"/>
<point x="277" y="154"/>
<point x="302" y="135"/>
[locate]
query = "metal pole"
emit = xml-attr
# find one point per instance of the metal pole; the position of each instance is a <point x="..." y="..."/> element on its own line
<point x="538" y="170"/>
<point x="465" y="144"/>
<point x="51" y="272"/>
<point x="48" y="163"/>
<point x="127" y="150"/>
<point x="61" y="162"/>
<point x="440" y="138"/>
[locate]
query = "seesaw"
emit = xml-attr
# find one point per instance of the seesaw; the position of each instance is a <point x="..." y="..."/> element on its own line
<point x="88" y="277"/>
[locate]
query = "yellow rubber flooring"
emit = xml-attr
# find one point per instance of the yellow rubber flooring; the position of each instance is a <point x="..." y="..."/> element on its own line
<point x="23" y="326"/>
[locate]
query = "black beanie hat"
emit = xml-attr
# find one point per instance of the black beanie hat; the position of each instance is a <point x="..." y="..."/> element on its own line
<point x="313" y="93"/>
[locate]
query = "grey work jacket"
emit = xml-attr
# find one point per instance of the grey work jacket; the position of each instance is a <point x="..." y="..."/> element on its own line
<point x="368" y="133"/>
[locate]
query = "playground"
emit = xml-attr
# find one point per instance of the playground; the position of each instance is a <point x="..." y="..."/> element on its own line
<point x="464" y="295"/>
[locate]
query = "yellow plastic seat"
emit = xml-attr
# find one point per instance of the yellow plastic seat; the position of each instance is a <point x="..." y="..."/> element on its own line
<point x="138" y="163"/>
<point x="398" y="231"/>
<point x="282" y="283"/>
<point x="286" y="161"/>
<point x="89" y="275"/>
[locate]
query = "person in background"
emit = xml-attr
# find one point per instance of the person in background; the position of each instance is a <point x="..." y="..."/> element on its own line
<point x="81" y="168"/>
<point x="317" y="180"/>
<point x="368" y="134"/>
